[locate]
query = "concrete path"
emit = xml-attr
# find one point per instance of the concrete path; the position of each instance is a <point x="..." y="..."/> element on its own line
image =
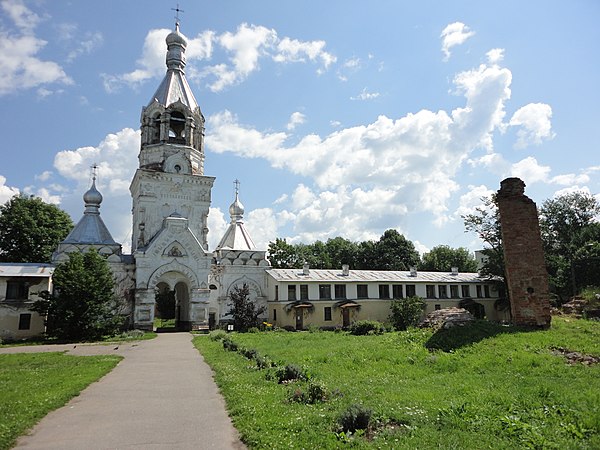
<point x="161" y="396"/>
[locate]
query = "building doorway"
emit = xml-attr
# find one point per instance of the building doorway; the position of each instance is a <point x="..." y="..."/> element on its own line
<point x="299" y="319"/>
<point x="182" y="307"/>
<point x="345" y="317"/>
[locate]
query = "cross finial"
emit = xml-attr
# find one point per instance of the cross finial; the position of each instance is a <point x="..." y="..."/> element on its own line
<point x="177" y="11"/>
<point x="94" y="168"/>
<point x="236" y="183"/>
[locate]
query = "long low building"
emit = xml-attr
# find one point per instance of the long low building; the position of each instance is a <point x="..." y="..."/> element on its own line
<point x="299" y="298"/>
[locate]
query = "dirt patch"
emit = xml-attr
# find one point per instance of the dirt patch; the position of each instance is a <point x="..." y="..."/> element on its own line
<point x="575" y="357"/>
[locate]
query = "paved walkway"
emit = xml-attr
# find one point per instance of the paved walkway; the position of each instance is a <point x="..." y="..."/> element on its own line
<point x="161" y="396"/>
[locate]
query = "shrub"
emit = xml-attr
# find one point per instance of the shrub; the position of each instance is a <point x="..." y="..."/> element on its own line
<point x="364" y="327"/>
<point x="289" y="328"/>
<point x="217" y="335"/>
<point x="249" y="353"/>
<point x="406" y="312"/>
<point x="355" y="417"/>
<point x="253" y="330"/>
<point x="315" y="393"/>
<point x="228" y="344"/>
<point x="290" y="372"/>
<point x="264" y="362"/>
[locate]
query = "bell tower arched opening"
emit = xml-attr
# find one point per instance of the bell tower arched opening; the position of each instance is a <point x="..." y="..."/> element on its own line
<point x="177" y="128"/>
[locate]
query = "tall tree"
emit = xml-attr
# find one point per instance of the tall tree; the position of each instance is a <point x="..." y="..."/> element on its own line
<point x="244" y="311"/>
<point x="567" y="224"/>
<point x="394" y="252"/>
<point x="283" y="255"/>
<point x="485" y="222"/>
<point x="83" y="305"/>
<point x="30" y="229"/>
<point x="443" y="257"/>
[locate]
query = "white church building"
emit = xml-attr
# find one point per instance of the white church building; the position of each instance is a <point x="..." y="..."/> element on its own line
<point x="171" y="197"/>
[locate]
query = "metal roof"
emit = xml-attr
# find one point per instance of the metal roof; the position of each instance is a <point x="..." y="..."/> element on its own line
<point x="337" y="276"/>
<point x="26" y="270"/>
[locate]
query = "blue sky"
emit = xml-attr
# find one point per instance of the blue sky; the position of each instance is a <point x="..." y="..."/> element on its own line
<point x="340" y="118"/>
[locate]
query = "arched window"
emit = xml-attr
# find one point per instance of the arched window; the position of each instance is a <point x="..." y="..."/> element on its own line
<point x="177" y="127"/>
<point x="155" y="133"/>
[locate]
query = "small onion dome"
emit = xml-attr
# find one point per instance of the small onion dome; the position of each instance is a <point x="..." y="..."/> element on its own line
<point x="92" y="197"/>
<point x="175" y="37"/>
<point x="236" y="210"/>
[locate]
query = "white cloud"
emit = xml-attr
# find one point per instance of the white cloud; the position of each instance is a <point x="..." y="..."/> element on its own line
<point x="44" y="176"/>
<point x="44" y="194"/>
<point x="115" y="156"/>
<point x="530" y="171"/>
<point x="454" y="34"/>
<point x="21" y="69"/>
<point x="86" y="45"/>
<point x="217" y="226"/>
<point x="472" y="199"/>
<point x="6" y="192"/>
<point x="398" y="166"/>
<point x="535" y="124"/>
<point x="297" y="118"/>
<point x="495" y="55"/>
<point x="571" y="179"/>
<point x="245" y="48"/>
<point x="25" y="19"/>
<point x="365" y="95"/>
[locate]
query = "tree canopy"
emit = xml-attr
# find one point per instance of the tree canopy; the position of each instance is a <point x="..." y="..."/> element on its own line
<point x="246" y="314"/>
<point x="391" y="252"/>
<point x="83" y="305"/>
<point x="30" y="229"/>
<point x="443" y="258"/>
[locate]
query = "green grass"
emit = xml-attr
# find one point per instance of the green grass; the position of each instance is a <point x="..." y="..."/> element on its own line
<point x="125" y="336"/>
<point x="497" y="388"/>
<point x="33" y="384"/>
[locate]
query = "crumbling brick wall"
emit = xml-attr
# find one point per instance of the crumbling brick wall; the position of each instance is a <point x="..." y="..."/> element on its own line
<point x="527" y="277"/>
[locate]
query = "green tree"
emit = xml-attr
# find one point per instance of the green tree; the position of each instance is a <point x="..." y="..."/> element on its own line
<point x="485" y="222"/>
<point x="342" y="251"/>
<point x="393" y="252"/>
<point x="83" y="305"/>
<point x="283" y="255"/>
<point x="406" y="312"/>
<point x="568" y="227"/>
<point x="443" y="257"/>
<point x="244" y="311"/>
<point x="30" y="229"/>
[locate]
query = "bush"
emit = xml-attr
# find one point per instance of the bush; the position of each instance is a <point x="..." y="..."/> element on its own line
<point x="264" y="362"/>
<point x="249" y="353"/>
<point x="253" y="330"/>
<point x="364" y="327"/>
<point x="315" y="393"/>
<point x="406" y="312"/>
<point x="355" y="417"/>
<point x="290" y="372"/>
<point x="217" y="335"/>
<point x="228" y="344"/>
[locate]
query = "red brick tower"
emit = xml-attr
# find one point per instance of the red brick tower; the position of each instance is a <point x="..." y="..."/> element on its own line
<point x="526" y="273"/>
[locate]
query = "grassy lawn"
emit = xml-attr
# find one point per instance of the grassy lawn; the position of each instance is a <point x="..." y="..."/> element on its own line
<point x="33" y="384"/>
<point x="495" y="387"/>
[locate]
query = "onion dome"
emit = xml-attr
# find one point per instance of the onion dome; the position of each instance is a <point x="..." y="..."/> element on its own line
<point x="236" y="210"/>
<point x="92" y="198"/>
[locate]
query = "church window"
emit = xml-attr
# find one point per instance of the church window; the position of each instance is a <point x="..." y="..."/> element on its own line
<point x="177" y="168"/>
<point x="276" y="293"/>
<point x="177" y="127"/>
<point x="155" y="130"/>
<point x="327" y="313"/>
<point x="340" y="291"/>
<point x="443" y="291"/>
<point x="411" y="290"/>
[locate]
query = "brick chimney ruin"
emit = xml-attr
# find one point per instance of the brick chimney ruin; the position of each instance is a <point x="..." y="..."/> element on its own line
<point x="526" y="274"/>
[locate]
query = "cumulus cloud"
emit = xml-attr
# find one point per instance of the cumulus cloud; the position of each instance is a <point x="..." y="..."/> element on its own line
<point x="534" y="122"/>
<point x="152" y="62"/>
<point x="20" y="66"/>
<point x="297" y="118"/>
<point x="530" y="171"/>
<point x="454" y="34"/>
<point x="6" y="192"/>
<point x="472" y="199"/>
<point x="398" y="166"/>
<point x="244" y="49"/>
<point x="86" y="45"/>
